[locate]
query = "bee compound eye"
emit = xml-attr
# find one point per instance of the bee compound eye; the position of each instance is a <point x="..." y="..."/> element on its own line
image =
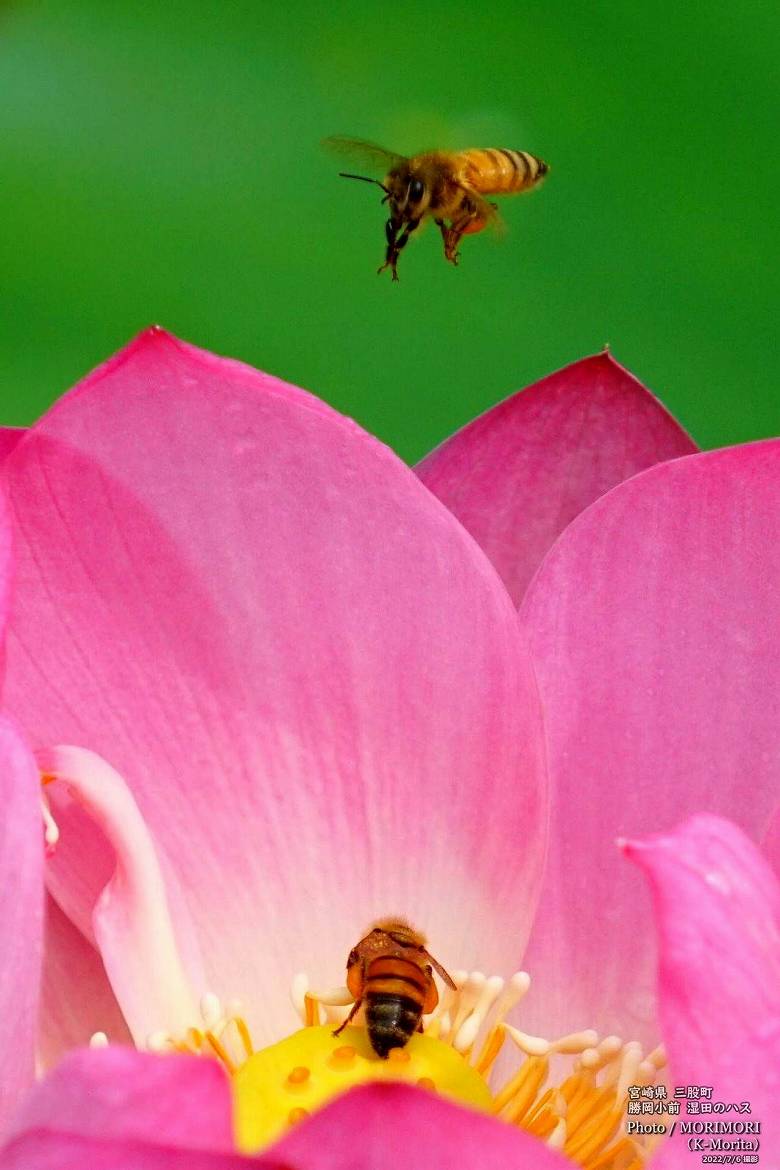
<point x="416" y="189"/>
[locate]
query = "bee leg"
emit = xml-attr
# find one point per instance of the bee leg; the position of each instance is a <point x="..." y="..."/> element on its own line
<point x="392" y="227"/>
<point x="451" y="237"/>
<point x="391" y="261"/>
<point x="394" y="245"/>
<point x="451" y="241"/>
<point x="343" y="1025"/>
<point x="465" y="221"/>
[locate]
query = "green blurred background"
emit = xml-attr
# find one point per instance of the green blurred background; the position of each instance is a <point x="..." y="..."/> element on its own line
<point x="160" y="162"/>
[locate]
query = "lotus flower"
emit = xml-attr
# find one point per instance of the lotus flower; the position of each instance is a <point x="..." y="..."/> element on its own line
<point x="302" y="698"/>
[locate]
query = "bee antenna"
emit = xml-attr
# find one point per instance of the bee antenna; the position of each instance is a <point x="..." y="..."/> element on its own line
<point x="364" y="179"/>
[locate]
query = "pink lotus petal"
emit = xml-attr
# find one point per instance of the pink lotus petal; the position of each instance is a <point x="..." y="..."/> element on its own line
<point x="516" y="476"/>
<point x="9" y="437"/>
<point x="131" y="917"/>
<point x="48" y="1151"/>
<point x="7" y="567"/>
<point x="750" y="1072"/>
<point x="308" y="674"/>
<point x="118" y="1109"/>
<point x="21" y="915"/>
<point x="717" y="905"/>
<point x="83" y="865"/>
<point x="655" y="628"/>
<point x="382" y="1126"/>
<point x="76" y="997"/>
<point x="771" y="842"/>
<point x="118" y="1094"/>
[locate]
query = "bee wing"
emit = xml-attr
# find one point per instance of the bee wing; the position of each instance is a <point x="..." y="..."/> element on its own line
<point x="366" y="153"/>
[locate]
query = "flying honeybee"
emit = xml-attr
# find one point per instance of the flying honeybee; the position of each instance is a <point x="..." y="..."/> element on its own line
<point x="449" y="186"/>
<point x="392" y="973"/>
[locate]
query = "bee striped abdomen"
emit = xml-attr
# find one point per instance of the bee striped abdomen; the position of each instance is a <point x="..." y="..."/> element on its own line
<point x="501" y="172"/>
<point x="394" y="996"/>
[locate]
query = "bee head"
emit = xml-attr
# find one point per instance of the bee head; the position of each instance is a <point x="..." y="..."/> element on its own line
<point x="416" y="191"/>
<point x="409" y="195"/>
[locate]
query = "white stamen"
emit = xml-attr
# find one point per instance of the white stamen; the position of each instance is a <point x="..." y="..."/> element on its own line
<point x="210" y="1010"/>
<point x="632" y="1056"/>
<point x="334" y="1016"/>
<point x="610" y="1045"/>
<point x="446" y="1002"/>
<point x="645" y="1072"/>
<point x="575" y="1042"/>
<point x="51" y="830"/>
<point x="98" y="1040"/>
<point x="459" y="978"/>
<point x="557" y="1139"/>
<point x="515" y="990"/>
<point x="242" y="1037"/>
<point x="606" y="1051"/>
<point x="530" y="1045"/>
<point x="449" y="1005"/>
<point x="467" y="1033"/>
<point x="334" y="996"/>
<point x="468" y="998"/>
<point x="442" y="1013"/>
<point x="657" y="1057"/>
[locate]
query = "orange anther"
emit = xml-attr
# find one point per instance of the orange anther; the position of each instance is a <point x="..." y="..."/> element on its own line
<point x="243" y="1031"/>
<point x="427" y="1083"/>
<point x="220" y="1051"/>
<point x="299" y="1075"/>
<point x="312" y="1011"/>
<point x="399" y="1055"/>
<point x="296" y="1115"/>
